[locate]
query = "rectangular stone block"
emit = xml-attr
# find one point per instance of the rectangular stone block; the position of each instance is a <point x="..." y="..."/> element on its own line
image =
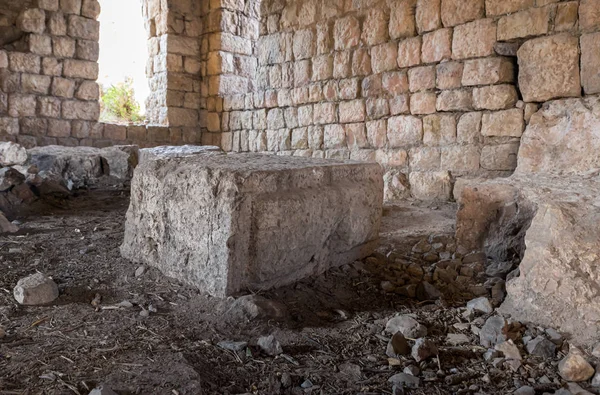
<point x="508" y="123"/>
<point x="225" y="227"/>
<point x="528" y="23"/>
<point x="495" y="97"/>
<point x="457" y="12"/>
<point x="474" y="39"/>
<point x="437" y="46"/>
<point x="409" y="52"/>
<point x="500" y="7"/>
<point x="590" y="63"/>
<point x="488" y="71"/>
<point x="589" y="15"/>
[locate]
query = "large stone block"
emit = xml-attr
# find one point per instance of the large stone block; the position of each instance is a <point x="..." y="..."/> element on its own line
<point x="528" y="23"/>
<point x="549" y="68"/>
<point x="457" y="12"/>
<point x="590" y="63"/>
<point x="474" y="39"/>
<point x="221" y="223"/>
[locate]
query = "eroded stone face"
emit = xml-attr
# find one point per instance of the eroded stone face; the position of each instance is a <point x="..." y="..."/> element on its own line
<point x="222" y="222"/>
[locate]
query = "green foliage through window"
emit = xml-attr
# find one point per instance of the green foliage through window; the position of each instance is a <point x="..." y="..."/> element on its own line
<point x="118" y="103"/>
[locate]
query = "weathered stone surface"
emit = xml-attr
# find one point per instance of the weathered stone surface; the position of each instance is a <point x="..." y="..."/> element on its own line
<point x="503" y="123"/>
<point x="12" y="154"/>
<point x="36" y="289"/>
<point x="549" y="68"/>
<point x="528" y="23"/>
<point x="121" y="160"/>
<point x="179" y="237"/>
<point x="574" y="366"/>
<point x="488" y="71"/>
<point x="402" y="19"/>
<point x="495" y="97"/>
<point x="428" y="15"/>
<point x="407" y="326"/>
<point x="430" y="185"/>
<point x="474" y="39"/>
<point x="457" y="12"/>
<point x="590" y="63"/>
<point x="168" y="151"/>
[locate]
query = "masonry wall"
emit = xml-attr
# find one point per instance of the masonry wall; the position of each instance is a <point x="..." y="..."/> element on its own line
<point x="431" y="89"/>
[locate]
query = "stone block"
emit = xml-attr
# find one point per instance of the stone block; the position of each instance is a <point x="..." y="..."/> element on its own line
<point x="346" y="33"/>
<point x="352" y="111"/>
<point x="356" y="136"/>
<point x="32" y="20"/>
<point x="566" y="16"/>
<point x="377" y="133"/>
<point x="409" y="52"/>
<point x="70" y="6"/>
<point x="48" y="5"/>
<point x="432" y="186"/>
<point x="84" y="28"/>
<point x="37" y="289"/>
<point x="40" y="44"/>
<point x="334" y="137"/>
<point x="439" y="129"/>
<point x="425" y="158"/>
<point x="49" y="106"/>
<point x="83" y="110"/>
<point x="375" y="27"/>
<point x="590" y="63"/>
<point x="259" y="251"/>
<point x="457" y="12"/>
<point x="9" y="126"/>
<point x="460" y="159"/>
<point x="402" y="19"/>
<point x="63" y="87"/>
<point x="428" y="15"/>
<point x="500" y="157"/>
<point x="59" y="128"/>
<point x="64" y="47"/>
<point x="449" y="75"/>
<point x="361" y="62"/>
<point x="422" y="103"/>
<point x="24" y="62"/>
<point x="304" y="44"/>
<point x="395" y="83"/>
<point x="87" y="50"/>
<point x="3" y="60"/>
<point x="384" y="57"/>
<point x="421" y="78"/>
<point x="57" y="24"/>
<point x="21" y="105"/>
<point x="495" y="97"/>
<point x="549" y="68"/>
<point x="488" y="71"/>
<point x="508" y="123"/>
<point x="34" y="83"/>
<point x="455" y="100"/>
<point x="500" y="7"/>
<point x="528" y="23"/>
<point x="474" y="39"/>
<point x="404" y="131"/>
<point x="90" y="9"/>
<point x="80" y="69"/>
<point x="399" y="104"/>
<point x="589" y="15"/>
<point x="437" y="46"/>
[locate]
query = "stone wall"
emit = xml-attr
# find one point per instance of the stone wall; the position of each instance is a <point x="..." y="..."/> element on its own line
<point x="434" y="90"/>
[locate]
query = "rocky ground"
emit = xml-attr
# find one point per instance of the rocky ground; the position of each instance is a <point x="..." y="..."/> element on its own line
<point x="416" y="318"/>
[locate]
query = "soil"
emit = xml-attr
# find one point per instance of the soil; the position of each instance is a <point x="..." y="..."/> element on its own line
<point x="332" y="336"/>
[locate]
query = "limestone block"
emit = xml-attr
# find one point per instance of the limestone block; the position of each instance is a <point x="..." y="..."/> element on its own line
<point x="384" y="57"/>
<point x="51" y="66"/>
<point x="9" y="126"/>
<point x="84" y="110"/>
<point x="399" y="104"/>
<point x="500" y="7"/>
<point x="457" y="12"/>
<point x="80" y="69"/>
<point x="566" y="16"/>
<point x="121" y="160"/>
<point x="324" y="113"/>
<point x="70" y="6"/>
<point x="500" y="157"/>
<point x="488" y="71"/>
<point x="377" y="107"/>
<point x="32" y="20"/>
<point x="205" y="236"/>
<point x="80" y="27"/>
<point x="334" y="136"/>
<point x="528" y="23"/>
<point x="21" y="105"/>
<point x="404" y="131"/>
<point x="439" y="129"/>
<point x="40" y="44"/>
<point x="356" y="136"/>
<point x="375" y="28"/>
<point x="402" y="19"/>
<point x="64" y="47"/>
<point x="48" y="5"/>
<point x="589" y="15"/>
<point x="562" y="137"/>
<point x="425" y="158"/>
<point x="57" y="24"/>
<point x="34" y="83"/>
<point x="590" y="63"/>
<point x="346" y="33"/>
<point x="474" y="39"/>
<point x="88" y="90"/>
<point x="421" y="78"/>
<point x="63" y="87"/>
<point x="352" y="111"/>
<point x="437" y="46"/>
<point x="24" y="62"/>
<point x="90" y="9"/>
<point x="495" y="97"/>
<point x="549" y="68"/>
<point x="460" y="159"/>
<point x="115" y="132"/>
<point x="449" y="75"/>
<point x="3" y="60"/>
<point x="409" y="52"/>
<point x="428" y="15"/>
<point x="508" y="123"/>
<point x="12" y="154"/>
<point x="436" y="186"/>
<point x="422" y="103"/>
<point x="455" y="100"/>
<point x="377" y="133"/>
<point x="88" y="50"/>
<point x="59" y="128"/>
<point x="304" y="44"/>
<point x="37" y="289"/>
<point x="395" y="83"/>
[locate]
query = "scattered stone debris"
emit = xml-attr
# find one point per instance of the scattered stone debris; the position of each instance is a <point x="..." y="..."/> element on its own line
<point x="37" y="289"/>
<point x="270" y="345"/>
<point x="398" y="345"/>
<point x="407" y="326"/>
<point x="480" y="305"/>
<point x="541" y="347"/>
<point x="494" y="331"/>
<point x="423" y="349"/>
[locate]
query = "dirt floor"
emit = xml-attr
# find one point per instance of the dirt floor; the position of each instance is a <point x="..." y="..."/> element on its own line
<point x="164" y="341"/>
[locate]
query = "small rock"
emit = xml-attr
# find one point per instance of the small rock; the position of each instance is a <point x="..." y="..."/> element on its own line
<point x="405" y="380"/>
<point x="387" y="286"/>
<point x="286" y="380"/>
<point x="575" y="389"/>
<point x="480" y="305"/>
<point x="102" y="390"/>
<point x="139" y="272"/>
<point x="490" y="354"/>
<point x="423" y="349"/>
<point x="510" y="350"/>
<point x="526" y="390"/>
<point x="12" y="154"/>
<point x="306" y="384"/>
<point x="554" y="336"/>
<point x="144" y="313"/>
<point x="250" y="307"/>
<point x="574" y="367"/>
<point x="407" y="290"/>
<point x="350" y="371"/>
<point x="397" y="346"/>
<point x="407" y="326"/>
<point x="125" y="304"/>
<point x="421" y="247"/>
<point x="596" y="380"/>
<point x="270" y="345"/>
<point x="426" y="291"/>
<point x="456" y="339"/>
<point x="541" y="347"/>
<point x="6" y="226"/>
<point x="596" y="351"/>
<point x="37" y="289"/>
<point x="412" y="370"/>
<point x="232" y="346"/>
<point x="494" y="331"/>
